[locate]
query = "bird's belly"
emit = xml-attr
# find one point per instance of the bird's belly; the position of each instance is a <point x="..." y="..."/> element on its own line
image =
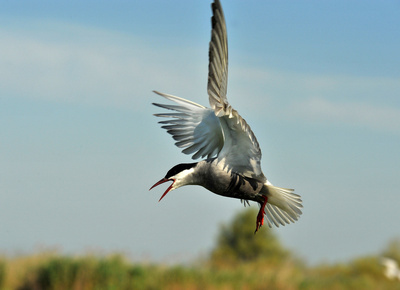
<point x="233" y="185"/>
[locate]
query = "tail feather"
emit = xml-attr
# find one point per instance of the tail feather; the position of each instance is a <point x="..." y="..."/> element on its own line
<point x="283" y="207"/>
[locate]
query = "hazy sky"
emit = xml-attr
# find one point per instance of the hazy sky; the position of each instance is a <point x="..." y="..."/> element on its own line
<point x="318" y="82"/>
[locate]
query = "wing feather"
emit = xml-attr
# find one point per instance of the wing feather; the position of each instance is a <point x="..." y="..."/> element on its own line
<point x="219" y="131"/>
<point x="218" y="61"/>
<point x="195" y="128"/>
<point x="241" y="152"/>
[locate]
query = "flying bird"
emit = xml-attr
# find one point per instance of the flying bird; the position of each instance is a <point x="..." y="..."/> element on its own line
<point x="219" y="134"/>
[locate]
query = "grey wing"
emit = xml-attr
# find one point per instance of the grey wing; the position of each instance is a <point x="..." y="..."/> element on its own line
<point x="194" y="127"/>
<point x="218" y="62"/>
<point x="241" y="151"/>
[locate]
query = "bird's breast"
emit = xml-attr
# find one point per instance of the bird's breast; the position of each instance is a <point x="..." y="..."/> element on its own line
<point x="230" y="184"/>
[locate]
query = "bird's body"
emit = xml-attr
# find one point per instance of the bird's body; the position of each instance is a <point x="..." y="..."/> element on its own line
<point x="232" y="165"/>
<point x="208" y="173"/>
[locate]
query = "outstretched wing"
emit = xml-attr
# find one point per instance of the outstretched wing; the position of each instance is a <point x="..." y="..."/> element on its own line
<point x="218" y="62"/>
<point x="221" y="130"/>
<point x="241" y="151"/>
<point x="194" y="127"/>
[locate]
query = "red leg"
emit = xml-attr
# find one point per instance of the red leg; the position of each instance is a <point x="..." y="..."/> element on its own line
<point x="261" y="213"/>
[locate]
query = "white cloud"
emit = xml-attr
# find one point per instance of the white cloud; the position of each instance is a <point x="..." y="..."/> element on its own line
<point x="36" y="65"/>
<point x="70" y="63"/>
<point x="337" y="99"/>
<point x="309" y="83"/>
<point x="350" y="113"/>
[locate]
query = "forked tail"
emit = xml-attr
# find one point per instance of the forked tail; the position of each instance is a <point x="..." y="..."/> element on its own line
<point x="283" y="207"/>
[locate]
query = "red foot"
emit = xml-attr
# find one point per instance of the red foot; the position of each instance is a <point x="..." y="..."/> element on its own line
<point x="260" y="215"/>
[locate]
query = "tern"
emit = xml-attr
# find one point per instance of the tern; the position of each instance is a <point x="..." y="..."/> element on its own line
<point x="231" y="167"/>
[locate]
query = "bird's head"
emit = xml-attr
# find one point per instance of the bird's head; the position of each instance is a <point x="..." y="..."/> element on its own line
<point x="180" y="175"/>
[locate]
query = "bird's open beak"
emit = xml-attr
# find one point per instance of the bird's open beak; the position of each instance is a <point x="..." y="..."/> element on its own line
<point x="161" y="182"/>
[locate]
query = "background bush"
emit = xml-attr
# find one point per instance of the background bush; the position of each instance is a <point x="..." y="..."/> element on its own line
<point x="239" y="260"/>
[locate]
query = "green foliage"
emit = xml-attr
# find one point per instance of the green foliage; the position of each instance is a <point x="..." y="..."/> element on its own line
<point x="83" y="273"/>
<point x="112" y="273"/>
<point x="89" y="273"/>
<point x="240" y="260"/>
<point x="58" y="273"/>
<point x="392" y="250"/>
<point x="237" y="241"/>
<point x="367" y="267"/>
<point x="3" y="273"/>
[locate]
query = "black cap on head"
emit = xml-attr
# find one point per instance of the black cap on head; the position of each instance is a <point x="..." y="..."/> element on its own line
<point x="178" y="168"/>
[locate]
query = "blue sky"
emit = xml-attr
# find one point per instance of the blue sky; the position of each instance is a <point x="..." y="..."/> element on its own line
<point x="318" y="82"/>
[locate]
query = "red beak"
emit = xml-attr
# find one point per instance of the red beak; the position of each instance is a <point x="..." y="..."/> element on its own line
<point x="161" y="182"/>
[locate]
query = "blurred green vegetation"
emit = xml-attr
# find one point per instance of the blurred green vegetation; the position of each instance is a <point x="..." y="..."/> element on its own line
<point x="237" y="242"/>
<point x="239" y="260"/>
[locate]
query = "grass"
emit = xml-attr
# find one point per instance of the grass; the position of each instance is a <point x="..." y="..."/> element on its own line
<point x="49" y="270"/>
